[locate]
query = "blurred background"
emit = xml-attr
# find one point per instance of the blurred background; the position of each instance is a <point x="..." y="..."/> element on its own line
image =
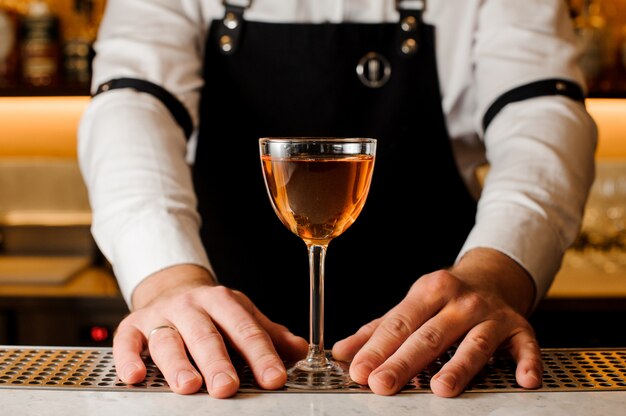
<point x="57" y="289"/>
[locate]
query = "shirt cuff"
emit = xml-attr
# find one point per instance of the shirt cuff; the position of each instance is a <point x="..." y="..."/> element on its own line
<point x="140" y="251"/>
<point x="536" y="247"/>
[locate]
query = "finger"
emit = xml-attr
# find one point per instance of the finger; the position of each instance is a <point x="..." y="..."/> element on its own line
<point x="474" y="351"/>
<point x="384" y="341"/>
<point x="422" y="302"/>
<point x="347" y="348"/>
<point x="288" y="345"/>
<point x="168" y="353"/>
<point x="248" y="336"/>
<point x="525" y="351"/>
<point x="128" y="344"/>
<point x="425" y="345"/>
<point x="206" y="346"/>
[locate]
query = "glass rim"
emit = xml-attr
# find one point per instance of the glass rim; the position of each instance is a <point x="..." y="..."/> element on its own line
<point x="288" y="139"/>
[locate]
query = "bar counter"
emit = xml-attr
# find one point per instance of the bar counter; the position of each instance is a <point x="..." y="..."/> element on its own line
<point x="17" y="402"/>
<point x="50" y="381"/>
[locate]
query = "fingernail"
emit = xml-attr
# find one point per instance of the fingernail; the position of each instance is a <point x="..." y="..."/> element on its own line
<point x="129" y="370"/>
<point x="447" y="380"/>
<point x="272" y="374"/>
<point x="186" y="377"/>
<point x="532" y="374"/>
<point x="387" y="379"/>
<point x="221" y="380"/>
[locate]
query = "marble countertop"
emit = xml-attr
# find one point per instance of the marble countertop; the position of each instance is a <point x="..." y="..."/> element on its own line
<point x="62" y="381"/>
<point x="17" y="402"/>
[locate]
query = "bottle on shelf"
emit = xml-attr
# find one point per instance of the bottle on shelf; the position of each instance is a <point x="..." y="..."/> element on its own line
<point x="591" y="28"/>
<point x="9" y="55"/>
<point x="600" y="26"/>
<point x="40" y="46"/>
<point x="621" y="61"/>
<point x="81" y="30"/>
<point x="623" y="46"/>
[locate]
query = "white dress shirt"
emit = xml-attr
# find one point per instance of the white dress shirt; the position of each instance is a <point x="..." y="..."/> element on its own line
<point x="136" y="161"/>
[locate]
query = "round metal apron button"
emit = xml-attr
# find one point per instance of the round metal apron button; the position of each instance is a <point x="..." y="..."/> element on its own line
<point x="226" y="43"/>
<point x="409" y="46"/>
<point x="373" y="70"/>
<point x="231" y="21"/>
<point x="408" y="24"/>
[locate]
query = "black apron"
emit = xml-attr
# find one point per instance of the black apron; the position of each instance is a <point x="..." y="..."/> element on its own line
<point x="266" y="79"/>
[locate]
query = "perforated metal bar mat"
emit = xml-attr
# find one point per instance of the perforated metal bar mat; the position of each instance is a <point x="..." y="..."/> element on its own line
<point x="93" y="369"/>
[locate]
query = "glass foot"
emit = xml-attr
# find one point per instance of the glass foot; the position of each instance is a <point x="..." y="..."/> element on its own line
<point x="333" y="375"/>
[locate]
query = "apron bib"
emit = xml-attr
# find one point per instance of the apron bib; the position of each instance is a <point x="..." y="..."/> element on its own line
<point x="351" y="80"/>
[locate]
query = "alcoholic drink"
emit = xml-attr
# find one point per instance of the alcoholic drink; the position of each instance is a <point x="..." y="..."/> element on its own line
<point x="318" y="198"/>
<point x="317" y="186"/>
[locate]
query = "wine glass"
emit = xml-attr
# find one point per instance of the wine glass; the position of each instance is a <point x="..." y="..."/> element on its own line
<point x="317" y="187"/>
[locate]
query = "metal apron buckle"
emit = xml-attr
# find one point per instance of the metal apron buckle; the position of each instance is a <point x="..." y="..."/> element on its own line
<point x="232" y="24"/>
<point x="373" y="70"/>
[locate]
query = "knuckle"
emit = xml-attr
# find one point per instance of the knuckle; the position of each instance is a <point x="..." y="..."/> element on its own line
<point x="203" y="336"/>
<point x="220" y="292"/>
<point x="170" y="306"/>
<point x="525" y="326"/>
<point x="472" y="303"/>
<point x="398" y="327"/>
<point x="216" y="364"/>
<point x="503" y="316"/>
<point x="371" y="326"/>
<point x="167" y="335"/>
<point x="368" y="328"/>
<point x="250" y="332"/>
<point x="372" y="354"/>
<point x="266" y="359"/>
<point x="440" y="281"/>
<point x="523" y="338"/>
<point x="123" y="327"/>
<point x="402" y="366"/>
<point x="481" y="344"/>
<point x="431" y="337"/>
<point x="461" y="367"/>
<point x="533" y="345"/>
<point x="280" y="328"/>
<point x="184" y="300"/>
<point x="123" y="337"/>
<point x="131" y="322"/>
<point x="227" y="295"/>
<point x="240" y="296"/>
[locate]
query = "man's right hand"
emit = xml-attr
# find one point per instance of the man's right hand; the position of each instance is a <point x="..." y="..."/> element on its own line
<point x="180" y="313"/>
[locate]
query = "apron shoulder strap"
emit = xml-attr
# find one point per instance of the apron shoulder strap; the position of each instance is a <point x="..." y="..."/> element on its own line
<point x="411" y="22"/>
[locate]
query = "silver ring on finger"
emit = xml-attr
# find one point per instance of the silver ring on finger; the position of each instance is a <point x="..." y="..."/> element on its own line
<point x="158" y="328"/>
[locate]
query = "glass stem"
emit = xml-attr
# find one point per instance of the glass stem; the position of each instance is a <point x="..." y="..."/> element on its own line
<point x="316" y="356"/>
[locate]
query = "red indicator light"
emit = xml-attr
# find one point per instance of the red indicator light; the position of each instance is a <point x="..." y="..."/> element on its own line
<point x="99" y="333"/>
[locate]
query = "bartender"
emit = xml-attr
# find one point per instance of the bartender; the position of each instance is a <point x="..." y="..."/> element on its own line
<point x="169" y="152"/>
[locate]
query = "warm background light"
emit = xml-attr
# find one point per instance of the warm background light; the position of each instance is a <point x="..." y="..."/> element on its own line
<point x="610" y="115"/>
<point x="46" y="126"/>
<point x="40" y="126"/>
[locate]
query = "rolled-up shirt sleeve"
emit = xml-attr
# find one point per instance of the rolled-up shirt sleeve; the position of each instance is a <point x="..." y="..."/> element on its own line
<point x="133" y="155"/>
<point x="540" y="150"/>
